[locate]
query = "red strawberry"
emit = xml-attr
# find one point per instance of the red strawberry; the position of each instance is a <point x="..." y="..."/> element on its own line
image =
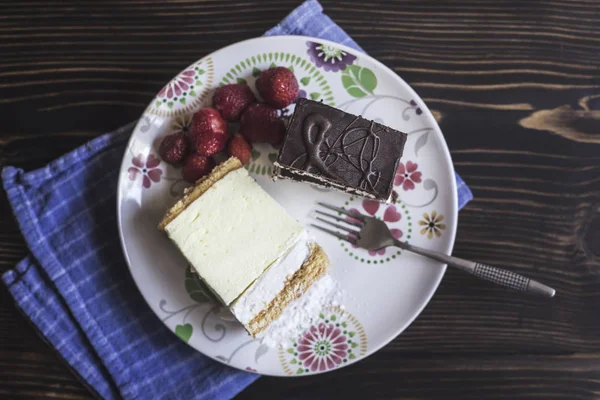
<point x="208" y="144"/>
<point x="208" y="132"/>
<point x="232" y="100"/>
<point x="173" y="148"/>
<point x="239" y="147"/>
<point x="260" y="123"/>
<point x="196" y="166"/>
<point x="278" y="87"/>
<point x="207" y="119"/>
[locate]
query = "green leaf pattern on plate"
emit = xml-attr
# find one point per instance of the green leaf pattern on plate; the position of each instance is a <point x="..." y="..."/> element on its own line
<point x="359" y="81"/>
<point x="184" y="332"/>
<point x="258" y="166"/>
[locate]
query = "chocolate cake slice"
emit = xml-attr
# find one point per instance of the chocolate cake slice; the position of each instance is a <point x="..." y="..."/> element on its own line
<point x="328" y="147"/>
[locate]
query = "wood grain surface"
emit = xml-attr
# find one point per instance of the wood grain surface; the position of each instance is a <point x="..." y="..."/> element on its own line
<point x="516" y="89"/>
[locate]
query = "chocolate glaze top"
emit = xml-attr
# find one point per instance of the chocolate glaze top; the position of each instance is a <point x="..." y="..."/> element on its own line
<point x="342" y="148"/>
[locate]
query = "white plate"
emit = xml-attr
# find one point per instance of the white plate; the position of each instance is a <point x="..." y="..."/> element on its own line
<point x="383" y="293"/>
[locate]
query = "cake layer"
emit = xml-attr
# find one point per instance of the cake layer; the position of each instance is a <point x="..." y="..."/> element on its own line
<point x="232" y="233"/>
<point x="201" y="186"/>
<point x="300" y="176"/>
<point x="260" y="294"/>
<point x="314" y="267"/>
<point x="329" y="147"/>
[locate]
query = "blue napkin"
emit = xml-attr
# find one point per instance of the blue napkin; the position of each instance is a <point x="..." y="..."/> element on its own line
<point x="75" y="287"/>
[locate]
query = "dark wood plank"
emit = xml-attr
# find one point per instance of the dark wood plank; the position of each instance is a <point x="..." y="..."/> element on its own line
<point x="516" y="88"/>
<point x="435" y="376"/>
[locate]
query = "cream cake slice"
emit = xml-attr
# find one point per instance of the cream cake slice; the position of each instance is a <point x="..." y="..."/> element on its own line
<point x="247" y="249"/>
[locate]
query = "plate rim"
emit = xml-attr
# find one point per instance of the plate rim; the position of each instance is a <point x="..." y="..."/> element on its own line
<point x="431" y="120"/>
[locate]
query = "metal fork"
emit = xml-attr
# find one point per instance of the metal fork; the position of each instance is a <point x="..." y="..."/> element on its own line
<point x="373" y="234"/>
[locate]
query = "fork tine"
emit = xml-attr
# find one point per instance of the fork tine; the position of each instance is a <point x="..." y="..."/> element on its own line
<point x="339" y="226"/>
<point x="343" y="211"/>
<point x="350" y="222"/>
<point x="336" y="234"/>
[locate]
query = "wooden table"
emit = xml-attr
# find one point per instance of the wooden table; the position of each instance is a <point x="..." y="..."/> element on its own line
<point x="516" y="89"/>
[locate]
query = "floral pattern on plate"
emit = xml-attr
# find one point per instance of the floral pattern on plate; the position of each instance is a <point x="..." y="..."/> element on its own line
<point x="334" y="339"/>
<point x="147" y="168"/>
<point x="330" y="58"/>
<point x="407" y="175"/>
<point x="432" y="224"/>
<point x="186" y="91"/>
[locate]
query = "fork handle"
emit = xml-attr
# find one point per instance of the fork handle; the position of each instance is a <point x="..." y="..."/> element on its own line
<point x="495" y="275"/>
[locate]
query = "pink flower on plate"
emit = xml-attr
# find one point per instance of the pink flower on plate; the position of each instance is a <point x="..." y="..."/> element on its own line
<point x="371" y="206"/>
<point x="407" y="175"/>
<point x="179" y="84"/>
<point x="147" y="168"/>
<point x="391" y="214"/>
<point x="322" y="347"/>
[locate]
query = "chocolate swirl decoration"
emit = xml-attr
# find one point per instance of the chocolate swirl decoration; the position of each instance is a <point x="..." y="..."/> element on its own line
<point x="328" y="147"/>
<point x="365" y="164"/>
<point x="322" y="125"/>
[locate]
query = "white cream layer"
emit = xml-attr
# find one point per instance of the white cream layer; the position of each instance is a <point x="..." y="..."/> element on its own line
<point x="232" y="233"/>
<point x="321" y="182"/>
<point x="258" y="296"/>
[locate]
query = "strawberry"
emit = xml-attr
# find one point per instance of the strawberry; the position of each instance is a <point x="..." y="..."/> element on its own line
<point x="196" y="166"/>
<point x="277" y="86"/>
<point x="207" y="119"/>
<point x="260" y="123"/>
<point x="208" y="144"/>
<point x="239" y="147"/>
<point x="173" y="148"/>
<point x="208" y="132"/>
<point x="232" y="100"/>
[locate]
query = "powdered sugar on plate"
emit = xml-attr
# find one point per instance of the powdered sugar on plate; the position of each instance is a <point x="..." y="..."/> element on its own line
<point x="300" y="315"/>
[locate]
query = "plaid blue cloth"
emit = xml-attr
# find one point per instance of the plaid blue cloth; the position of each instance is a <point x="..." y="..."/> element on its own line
<point x="76" y="288"/>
